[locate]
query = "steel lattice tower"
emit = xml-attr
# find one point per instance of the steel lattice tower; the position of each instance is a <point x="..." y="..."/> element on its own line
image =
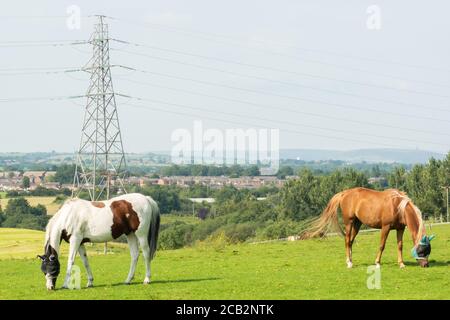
<point x="100" y="159"/>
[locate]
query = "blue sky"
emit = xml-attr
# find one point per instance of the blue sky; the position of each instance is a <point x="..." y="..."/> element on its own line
<point x="313" y="69"/>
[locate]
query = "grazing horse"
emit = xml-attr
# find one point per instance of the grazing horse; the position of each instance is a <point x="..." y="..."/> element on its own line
<point x="385" y="210"/>
<point x="79" y="221"/>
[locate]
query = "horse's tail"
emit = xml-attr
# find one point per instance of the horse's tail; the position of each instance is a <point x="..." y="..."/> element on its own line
<point x="154" y="227"/>
<point x="327" y="220"/>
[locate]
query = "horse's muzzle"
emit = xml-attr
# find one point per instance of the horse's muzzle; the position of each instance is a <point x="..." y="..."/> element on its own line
<point x="51" y="283"/>
<point x="424" y="263"/>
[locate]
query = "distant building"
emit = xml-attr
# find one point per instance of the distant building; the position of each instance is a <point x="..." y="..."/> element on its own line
<point x="38" y="177"/>
<point x="201" y="200"/>
<point x="10" y="184"/>
<point x="378" y="180"/>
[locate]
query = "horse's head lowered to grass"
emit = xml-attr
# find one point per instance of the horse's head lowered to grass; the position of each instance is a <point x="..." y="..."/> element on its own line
<point x="134" y="215"/>
<point x="422" y="250"/>
<point x="386" y="210"/>
<point x="50" y="266"/>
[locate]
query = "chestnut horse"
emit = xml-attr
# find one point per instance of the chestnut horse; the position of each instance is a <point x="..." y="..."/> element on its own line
<point x="385" y="210"/>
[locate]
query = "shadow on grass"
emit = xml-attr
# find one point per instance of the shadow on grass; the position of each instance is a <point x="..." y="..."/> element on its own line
<point x="155" y="282"/>
<point x="433" y="263"/>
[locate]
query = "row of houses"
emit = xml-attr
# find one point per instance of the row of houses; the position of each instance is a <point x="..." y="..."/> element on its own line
<point x="217" y="182"/>
<point x="12" y="180"/>
<point x="40" y="178"/>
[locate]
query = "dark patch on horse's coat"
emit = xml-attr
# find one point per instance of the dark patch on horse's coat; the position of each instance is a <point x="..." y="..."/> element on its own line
<point x="98" y="204"/>
<point x="66" y="237"/>
<point x="125" y="219"/>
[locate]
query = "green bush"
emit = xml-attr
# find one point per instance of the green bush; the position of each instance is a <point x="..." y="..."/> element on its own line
<point x="206" y="228"/>
<point x="19" y="214"/>
<point x="175" y="236"/>
<point x="239" y="232"/>
<point x="25" y="221"/>
<point x="280" y="229"/>
<point x="60" y="199"/>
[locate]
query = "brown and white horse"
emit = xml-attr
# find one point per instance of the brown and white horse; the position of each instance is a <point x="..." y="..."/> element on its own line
<point x="79" y="221"/>
<point x="385" y="210"/>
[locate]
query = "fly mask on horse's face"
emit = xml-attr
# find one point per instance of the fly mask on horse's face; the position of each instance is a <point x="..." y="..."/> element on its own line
<point x="422" y="250"/>
<point x="50" y="268"/>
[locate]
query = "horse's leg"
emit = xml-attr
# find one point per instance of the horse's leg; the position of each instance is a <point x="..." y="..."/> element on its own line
<point x="143" y="241"/>
<point x="134" y="252"/>
<point x="354" y="233"/>
<point x="83" y="255"/>
<point x="384" y="234"/>
<point x="400" y="247"/>
<point x="74" y="245"/>
<point x="348" y="250"/>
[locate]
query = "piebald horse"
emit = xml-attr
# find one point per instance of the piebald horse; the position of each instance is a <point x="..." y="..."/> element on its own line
<point x="79" y="221"/>
<point x="385" y="210"/>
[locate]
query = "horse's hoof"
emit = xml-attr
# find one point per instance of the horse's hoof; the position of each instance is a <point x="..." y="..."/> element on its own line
<point x="349" y="265"/>
<point x="89" y="285"/>
<point x="146" y="281"/>
<point x="402" y="265"/>
<point x="377" y="265"/>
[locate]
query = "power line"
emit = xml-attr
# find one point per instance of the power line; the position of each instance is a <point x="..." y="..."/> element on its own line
<point x="41" y="98"/>
<point x="23" y="71"/>
<point x="294" y="57"/>
<point x="14" y="44"/>
<point x="44" y="70"/>
<point x="211" y="34"/>
<point x="295" y="98"/>
<point x="277" y="70"/>
<point x="285" y="82"/>
<point x="33" y="17"/>
<point x="283" y="122"/>
<point x="319" y="115"/>
<point x="88" y="95"/>
<point x="308" y="133"/>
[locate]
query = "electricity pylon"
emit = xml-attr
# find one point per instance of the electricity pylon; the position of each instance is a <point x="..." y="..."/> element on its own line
<point x="100" y="158"/>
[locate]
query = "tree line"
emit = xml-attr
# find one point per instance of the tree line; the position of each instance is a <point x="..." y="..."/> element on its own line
<point x="237" y="214"/>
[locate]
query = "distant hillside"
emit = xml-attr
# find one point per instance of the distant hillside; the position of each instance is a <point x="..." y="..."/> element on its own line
<point x="368" y="155"/>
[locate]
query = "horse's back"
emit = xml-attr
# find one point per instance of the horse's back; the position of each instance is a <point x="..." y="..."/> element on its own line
<point x="143" y="206"/>
<point x="372" y="207"/>
<point x="361" y="193"/>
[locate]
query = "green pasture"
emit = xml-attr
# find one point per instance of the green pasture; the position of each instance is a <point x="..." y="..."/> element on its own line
<point x="311" y="269"/>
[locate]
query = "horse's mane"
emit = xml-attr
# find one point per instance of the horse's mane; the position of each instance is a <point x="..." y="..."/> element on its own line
<point x="405" y="200"/>
<point x="53" y="219"/>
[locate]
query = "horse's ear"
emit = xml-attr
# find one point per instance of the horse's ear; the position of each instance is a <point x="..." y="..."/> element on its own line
<point x="40" y="257"/>
<point x="424" y="239"/>
<point x="431" y="237"/>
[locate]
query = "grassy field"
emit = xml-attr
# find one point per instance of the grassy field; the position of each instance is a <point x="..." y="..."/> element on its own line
<point x="48" y="202"/>
<point x="312" y="269"/>
<point x="25" y="244"/>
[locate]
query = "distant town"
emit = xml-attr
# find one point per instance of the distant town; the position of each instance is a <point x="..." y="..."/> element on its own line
<point x="14" y="181"/>
<point x="27" y="171"/>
